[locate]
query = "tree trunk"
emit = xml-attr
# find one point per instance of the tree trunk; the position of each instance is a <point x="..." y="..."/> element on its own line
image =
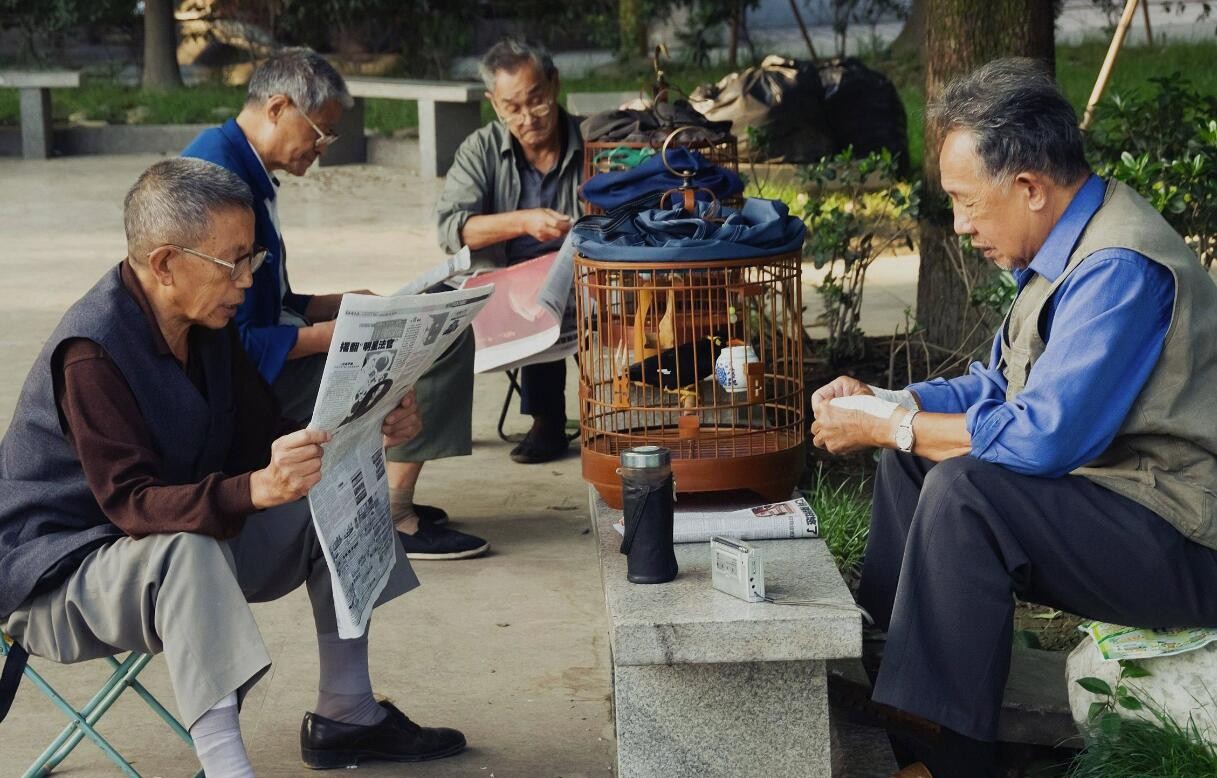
<point x="911" y="40"/>
<point x="160" y="46"/>
<point x="962" y="35"/>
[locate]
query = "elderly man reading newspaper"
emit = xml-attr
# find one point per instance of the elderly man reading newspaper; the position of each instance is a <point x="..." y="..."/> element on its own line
<point x="1077" y="468"/>
<point x="149" y="489"/>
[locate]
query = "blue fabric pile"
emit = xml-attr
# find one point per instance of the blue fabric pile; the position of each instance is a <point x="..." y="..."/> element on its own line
<point x="761" y="228"/>
<point x="641" y="187"/>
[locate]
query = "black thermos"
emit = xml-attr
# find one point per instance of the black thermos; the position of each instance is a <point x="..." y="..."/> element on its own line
<point x="647" y="495"/>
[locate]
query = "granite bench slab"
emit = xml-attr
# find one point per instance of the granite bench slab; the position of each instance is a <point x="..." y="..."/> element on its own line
<point x="448" y="112"/>
<point x="705" y="684"/>
<point x="35" y="89"/>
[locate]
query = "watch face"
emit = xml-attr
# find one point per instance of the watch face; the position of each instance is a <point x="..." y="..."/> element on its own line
<point x="904" y="438"/>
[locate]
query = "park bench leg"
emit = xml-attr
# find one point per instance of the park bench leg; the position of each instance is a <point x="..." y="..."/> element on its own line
<point x="351" y="148"/>
<point x="442" y="127"/>
<point x="728" y="719"/>
<point x="35" y="123"/>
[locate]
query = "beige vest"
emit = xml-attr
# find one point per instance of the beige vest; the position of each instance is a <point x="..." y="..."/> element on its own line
<point x="1165" y="453"/>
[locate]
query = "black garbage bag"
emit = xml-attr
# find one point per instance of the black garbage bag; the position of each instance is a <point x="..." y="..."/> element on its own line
<point x="864" y="109"/>
<point x="783" y="99"/>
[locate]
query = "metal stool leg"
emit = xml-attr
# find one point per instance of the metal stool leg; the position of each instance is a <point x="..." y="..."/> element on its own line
<point x="513" y="387"/>
<point x="97" y="707"/>
<point x="39" y="769"/>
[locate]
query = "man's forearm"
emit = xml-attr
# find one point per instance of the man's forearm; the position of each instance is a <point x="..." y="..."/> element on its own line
<point x="937" y="436"/>
<point x="323" y="307"/>
<point x="314" y="339"/>
<point x="488" y="229"/>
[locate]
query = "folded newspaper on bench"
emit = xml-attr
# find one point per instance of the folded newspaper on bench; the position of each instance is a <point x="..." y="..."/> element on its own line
<point x="774" y="521"/>
<point x="1115" y="642"/>
<point x="381" y="346"/>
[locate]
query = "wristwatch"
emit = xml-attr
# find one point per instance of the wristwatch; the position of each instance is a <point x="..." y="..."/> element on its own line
<point x="905" y="439"/>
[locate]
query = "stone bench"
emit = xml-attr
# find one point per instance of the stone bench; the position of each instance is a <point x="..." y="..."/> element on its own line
<point x="705" y="684"/>
<point x="35" y="87"/>
<point x="448" y="111"/>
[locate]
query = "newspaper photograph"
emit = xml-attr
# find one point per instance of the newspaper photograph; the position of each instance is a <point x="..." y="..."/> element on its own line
<point x="772" y="521"/>
<point x="381" y="346"/>
<point x="516" y="328"/>
<point x="1115" y="642"/>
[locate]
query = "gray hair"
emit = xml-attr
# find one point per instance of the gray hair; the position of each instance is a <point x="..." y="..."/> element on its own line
<point x="172" y="202"/>
<point x="1019" y="119"/>
<point x="301" y="74"/>
<point x="509" y="54"/>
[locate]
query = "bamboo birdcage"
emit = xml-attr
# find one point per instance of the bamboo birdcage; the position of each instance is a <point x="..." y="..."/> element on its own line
<point x="647" y="358"/>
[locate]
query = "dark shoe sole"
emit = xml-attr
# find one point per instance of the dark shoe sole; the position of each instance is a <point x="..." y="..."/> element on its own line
<point x="317" y="759"/>
<point x="531" y="458"/>
<point x="469" y="554"/>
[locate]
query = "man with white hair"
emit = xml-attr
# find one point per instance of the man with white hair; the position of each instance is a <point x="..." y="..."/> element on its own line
<point x="512" y="194"/>
<point x="1078" y="468"/>
<point x="149" y="490"/>
<point x="294" y="103"/>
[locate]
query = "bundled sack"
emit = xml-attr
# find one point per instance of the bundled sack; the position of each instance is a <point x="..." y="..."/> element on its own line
<point x="640" y="188"/>
<point x="652" y="125"/>
<point x="783" y="99"/>
<point x="864" y="110"/>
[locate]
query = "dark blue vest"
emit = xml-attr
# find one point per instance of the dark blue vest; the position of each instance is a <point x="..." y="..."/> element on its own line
<point x="49" y="519"/>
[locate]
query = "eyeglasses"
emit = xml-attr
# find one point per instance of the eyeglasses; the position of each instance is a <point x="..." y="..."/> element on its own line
<point x="324" y="139"/>
<point x="535" y="111"/>
<point x="253" y="260"/>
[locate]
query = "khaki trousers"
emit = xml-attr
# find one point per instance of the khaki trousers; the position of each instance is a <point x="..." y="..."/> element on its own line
<point x="187" y="596"/>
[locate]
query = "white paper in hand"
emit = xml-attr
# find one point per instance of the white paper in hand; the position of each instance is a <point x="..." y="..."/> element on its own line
<point x="865" y="403"/>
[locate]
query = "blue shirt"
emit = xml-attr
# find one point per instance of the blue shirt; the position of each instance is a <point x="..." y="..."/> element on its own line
<point x="1105" y="328"/>
<point x="266" y="339"/>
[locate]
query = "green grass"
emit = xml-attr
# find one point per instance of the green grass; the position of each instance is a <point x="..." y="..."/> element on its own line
<point x="1077" y="66"/>
<point x="1141" y="749"/>
<point x="844" y="512"/>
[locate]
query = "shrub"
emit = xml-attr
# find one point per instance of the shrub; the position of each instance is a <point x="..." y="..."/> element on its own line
<point x="1164" y="145"/>
<point x="855" y="210"/>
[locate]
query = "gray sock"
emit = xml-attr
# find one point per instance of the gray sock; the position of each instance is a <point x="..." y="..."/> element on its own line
<point x="344" y="692"/>
<point x="217" y="741"/>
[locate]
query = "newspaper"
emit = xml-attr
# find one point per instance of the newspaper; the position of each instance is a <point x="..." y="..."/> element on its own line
<point x="455" y="265"/>
<point x="1115" y="642"/>
<point x="516" y="328"/>
<point x="773" y="521"/>
<point x="381" y="346"/>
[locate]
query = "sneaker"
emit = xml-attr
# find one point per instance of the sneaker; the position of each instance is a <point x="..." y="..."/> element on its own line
<point x="543" y="443"/>
<point x="326" y="744"/>
<point x="431" y="542"/>
<point x="431" y="515"/>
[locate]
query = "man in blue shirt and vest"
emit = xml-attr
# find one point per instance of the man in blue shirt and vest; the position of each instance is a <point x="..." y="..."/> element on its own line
<point x="1077" y="469"/>
<point x="295" y="101"/>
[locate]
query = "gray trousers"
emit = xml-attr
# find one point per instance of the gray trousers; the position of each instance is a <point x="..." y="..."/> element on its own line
<point x="444" y="394"/>
<point x="186" y="595"/>
<point x="951" y="544"/>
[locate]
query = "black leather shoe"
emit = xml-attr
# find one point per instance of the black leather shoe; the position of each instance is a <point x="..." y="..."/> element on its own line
<point x="326" y="744"/>
<point x="543" y="443"/>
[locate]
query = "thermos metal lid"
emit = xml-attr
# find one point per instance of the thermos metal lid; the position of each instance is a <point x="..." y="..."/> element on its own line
<point x="646" y="456"/>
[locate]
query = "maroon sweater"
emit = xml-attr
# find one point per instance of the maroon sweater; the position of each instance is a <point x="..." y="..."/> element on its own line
<point x="104" y="424"/>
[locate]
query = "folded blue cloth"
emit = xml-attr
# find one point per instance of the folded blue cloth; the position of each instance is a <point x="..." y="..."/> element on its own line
<point x="761" y="228"/>
<point x="646" y="182"/>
